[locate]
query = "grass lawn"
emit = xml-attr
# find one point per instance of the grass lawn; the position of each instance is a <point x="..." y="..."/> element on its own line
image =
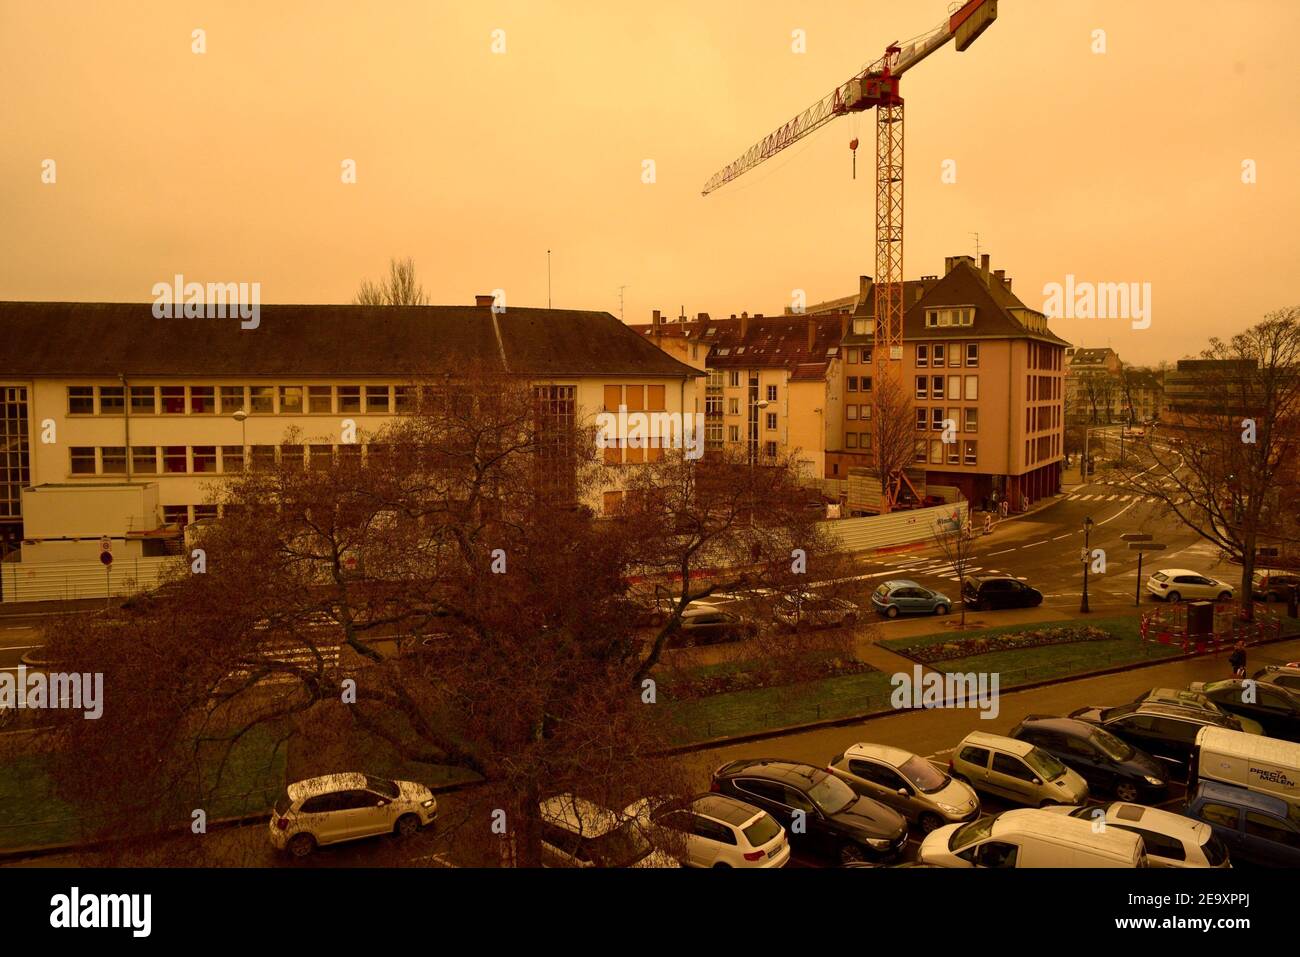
<point x="744" y="712"/>
<point x="1046" y="661"/>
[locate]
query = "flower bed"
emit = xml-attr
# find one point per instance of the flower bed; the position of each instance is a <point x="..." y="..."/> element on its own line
<point x="1005" y="641"/>
<point x="703" y="684"/>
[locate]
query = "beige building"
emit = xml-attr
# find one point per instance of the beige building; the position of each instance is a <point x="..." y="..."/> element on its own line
<point x="104" y="403"/>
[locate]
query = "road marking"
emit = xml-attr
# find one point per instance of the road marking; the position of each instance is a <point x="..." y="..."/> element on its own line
<point x="1059" y="537"/>
<point x="1043" y="542"/>
<point x="1003" y="552"/>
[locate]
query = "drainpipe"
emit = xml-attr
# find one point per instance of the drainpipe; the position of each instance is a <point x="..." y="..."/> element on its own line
<point x="126" y="421"/>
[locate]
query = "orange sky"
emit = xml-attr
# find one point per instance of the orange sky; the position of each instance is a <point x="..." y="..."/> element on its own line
<point x="1122" y="167"/>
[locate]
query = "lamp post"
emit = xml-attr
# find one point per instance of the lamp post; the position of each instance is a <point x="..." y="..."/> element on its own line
<point x="241" y="416"/>
<point x="1087" y="536"/>
<point x="759" y="405"/>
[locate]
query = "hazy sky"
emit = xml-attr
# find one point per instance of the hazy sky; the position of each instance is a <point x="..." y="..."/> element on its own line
<point x="226" y="166"/>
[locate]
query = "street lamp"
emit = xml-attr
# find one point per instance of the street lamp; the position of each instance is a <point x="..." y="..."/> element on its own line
<point x="1087" y="535"/>
<point x="241" y="416"/>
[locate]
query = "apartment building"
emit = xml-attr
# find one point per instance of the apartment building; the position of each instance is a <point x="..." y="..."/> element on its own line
<point x="1092" y="385"/>
<point x="147" y="415"/>
<point x="773" y="383"/>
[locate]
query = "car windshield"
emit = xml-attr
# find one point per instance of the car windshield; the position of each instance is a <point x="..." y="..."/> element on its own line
<point x="1111" y="746"/>
<point x="762" y="831"/>
<point x="621" y="847"/>
<point x="382" y="786"/>
<point x="924" y="775"/>
<point x="976" y="830"/>
<point x="1044" y="765"/>
<point x="883" y="591"/>
<point x="831" y="794"/>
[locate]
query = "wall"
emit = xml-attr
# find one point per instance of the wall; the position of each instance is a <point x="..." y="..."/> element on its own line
<point x="896" y="528"/>
<point x="60" y="581"/>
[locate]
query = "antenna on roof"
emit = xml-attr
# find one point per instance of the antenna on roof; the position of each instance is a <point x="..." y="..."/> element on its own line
<point x="977" y="246"/>
<point x="548" y="279"/>
<point x="620" y="300"/>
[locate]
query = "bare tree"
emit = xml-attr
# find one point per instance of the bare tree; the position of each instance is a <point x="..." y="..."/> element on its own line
<point x="955" y="539"/>
<point x="893" y="433"/>
<point x="1225" y="460"/>
<point x="399" y="288"/>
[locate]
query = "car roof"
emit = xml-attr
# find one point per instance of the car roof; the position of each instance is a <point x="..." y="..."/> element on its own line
<point x="796" y="773"/>
<point x="902" y="583"/>
<point x="1165" y="709"/>
<point x="1051" y="722"/>
<point x="1228" y="794"/>
<point x="326" y="784"/>
<point x="999" y="741"/>
<point x="1149" y="818"/>
<point x="1180" y="571"/>
<point x="1049" y="824"/>
<point x="720" y="807"/>
<point x="894" y="757"/>
<point x="579" y="815"/>
<point x="1255" y="747"/>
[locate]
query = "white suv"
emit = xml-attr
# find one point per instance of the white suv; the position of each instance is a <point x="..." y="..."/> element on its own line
<point x="345" y="807"/>
<point x="1175" y="584"/>
<point x="719" y="831"/>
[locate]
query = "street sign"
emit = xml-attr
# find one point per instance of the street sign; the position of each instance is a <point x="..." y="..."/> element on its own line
<point x="1136" y="537"/>
<point x="1146" y="547"/>
<point x="105" y="544"/>
<point x="106" y="557"/>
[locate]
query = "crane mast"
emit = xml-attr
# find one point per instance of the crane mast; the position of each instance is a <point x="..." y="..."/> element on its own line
<point x="877" y="87"/>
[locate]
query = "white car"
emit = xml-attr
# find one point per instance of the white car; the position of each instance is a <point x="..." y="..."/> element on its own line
<point x="1171" y="840"/>
<point x="344" y="807"/>
<point x="718" y="831"/>
<point x="579" y="833"/>
<point x="1175" y="584"/>
<point x="815" y="611"/>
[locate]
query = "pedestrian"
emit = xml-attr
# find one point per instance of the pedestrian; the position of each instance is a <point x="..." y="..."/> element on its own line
<point x="1238" y="660"/>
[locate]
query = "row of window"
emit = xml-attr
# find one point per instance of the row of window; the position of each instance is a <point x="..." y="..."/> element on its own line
<point x="855" y="412"/>
<point x="1042" y="449"/>
<point x="201" y="459"/>
<point x="1041" y="417"/>
<point x="939" y="452"/>
<point x="854" y="382"/>
<point x="636" y="398"/>
<point x="933" y="387"/>
<point x="228" y="399"/>
<point x="954" y="316"/>
<point x="1045" y="356"/>
<point x="1043" y="387"/>
<point x="939" y="354"/>
<point x="966" y="419"/>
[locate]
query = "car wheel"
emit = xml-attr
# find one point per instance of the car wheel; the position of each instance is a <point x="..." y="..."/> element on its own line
<point x="891" y="611"/>
<point x="408" y="825"/>
<point x="851" y="853"/>
<point x="941" y="609"/>
<point x="1173" y="596"/>
<point x="1225" y="596"/>
<point x="1126" y="791"/>
<point x="300" y="845"/>
<point x="722" y="864"/>
<point x="930" y="822"/>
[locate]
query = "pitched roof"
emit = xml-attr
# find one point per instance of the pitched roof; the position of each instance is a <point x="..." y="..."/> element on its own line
<point x="998" y="311"/>
<point x="111" y="338"/>
<point x="768" y="342"/>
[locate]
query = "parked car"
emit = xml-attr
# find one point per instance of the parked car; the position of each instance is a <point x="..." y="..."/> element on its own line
<point x="1015" y="770"/>
<point x="1268" y="584"/>
<point x="809" y="610"/>
<point x="345" y="807"/>
<point x="1031" y="837"/>
<point x="908" y="783"/>
<point x="1164" y="731"/>
<point x="703" y="624"/>
<point x="988" y="592"/>
<point x="717" y="831"/>
<point x="905" y="597"/>
<point x="1255" y="827"/>
<point x="1175" y="584"/>
<point x="1283" y="676"/>
<point x="579" y="833"/>
<point x="1195" y="700"/>
<point x="1171" y="840"/>
<point x="1274" y="708"/>
<point x="834" y="821"/>
<point x="1103" y="760"/>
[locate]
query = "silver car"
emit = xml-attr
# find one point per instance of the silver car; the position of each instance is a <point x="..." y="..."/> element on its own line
<point x="908" y="783"/>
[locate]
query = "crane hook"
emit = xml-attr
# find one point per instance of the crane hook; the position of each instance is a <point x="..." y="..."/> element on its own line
<point x="853" y="145"/>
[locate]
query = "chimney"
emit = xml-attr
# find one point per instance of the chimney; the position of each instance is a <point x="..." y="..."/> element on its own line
<point x="744" y="326"/>
<point x="984" y="267"/>
<point x="484" y="302"/>
<point x="844" y="326"/>
<point x="654" y="321"/>
<point x="812" y="333"/>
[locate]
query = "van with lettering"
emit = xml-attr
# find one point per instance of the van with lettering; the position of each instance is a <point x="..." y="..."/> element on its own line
<point x="1257" y="763"/>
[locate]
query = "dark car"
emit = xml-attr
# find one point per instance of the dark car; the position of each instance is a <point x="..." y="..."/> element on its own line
<point x="1276" y="709"/>
<point x="821" y="813"/>
<point x="1164" y="731"/>
<point x="703" y="624"/>
<point x="1100" y="758"/>
<point x="1273" y="585"/>
<point x="986" y="593"/>
<point x="1256" y="827"/>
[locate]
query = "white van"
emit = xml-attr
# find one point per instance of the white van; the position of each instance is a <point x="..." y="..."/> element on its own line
<point x="1032" y="837"/>
<point x="1252" y="761"/>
